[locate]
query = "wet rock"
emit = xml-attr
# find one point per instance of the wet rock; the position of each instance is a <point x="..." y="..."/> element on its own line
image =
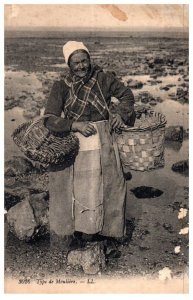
<point x="181" y="167"/>
<point x="134" y="84"/>
<point x="21" y="220"/>
<point x="10" y="200"/>
<point x="182" y="94"/>
<point x="174" y="133"/>
<point x="10" y="103"/>
<point x="18" y="165"/>
<point x="91" y="258"/>
<point x="146" y="192"/>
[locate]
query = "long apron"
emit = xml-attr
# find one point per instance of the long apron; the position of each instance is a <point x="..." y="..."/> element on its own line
<point x="90" y="195"/>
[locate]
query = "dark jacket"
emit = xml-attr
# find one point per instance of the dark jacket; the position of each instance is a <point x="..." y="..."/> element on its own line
<point x="110" y="87"/>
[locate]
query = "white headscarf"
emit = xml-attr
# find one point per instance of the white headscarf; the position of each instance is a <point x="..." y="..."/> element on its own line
<point x="72" y="46"/>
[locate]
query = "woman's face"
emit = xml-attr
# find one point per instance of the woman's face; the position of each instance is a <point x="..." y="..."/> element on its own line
<point x="79" y="63"/>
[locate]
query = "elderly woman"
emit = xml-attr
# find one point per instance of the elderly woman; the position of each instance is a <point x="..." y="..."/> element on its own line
<point x="89" y="196"/>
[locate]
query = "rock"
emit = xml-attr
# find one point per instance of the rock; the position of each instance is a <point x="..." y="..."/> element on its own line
<point x="168" y="227"/>
<point x="158" y="99"/>
<point x="10" y="103"/>
<point x="145" y="97"/>
<point x="6" y="231"/>
<point x="40" y="207"/>
<point x="158" y="60"/>
<point x="91" y="258"/>
<point x="10" y="200"/>
<point x="186" y="133"/>
<point x="152" y="82"/>
<point x="174" y="133"/>
<point x="18" y="165"/>
<point x="165" y="88"/>
<point x="153" y="103"/>
<point x="176" y="146"/>
<point x="31" y="113"/>
<point x="134" y="84"/>
<point x="181" y="167"/>
<point x="182" y="94"/>
<point x="154" y="76"/>
<point x="21" y="220"/>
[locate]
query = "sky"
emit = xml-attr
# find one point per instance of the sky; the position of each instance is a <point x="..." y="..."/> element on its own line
<point x="85" y="15"/>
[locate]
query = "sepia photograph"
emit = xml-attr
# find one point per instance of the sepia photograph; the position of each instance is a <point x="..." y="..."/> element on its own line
<point x="96" y="148"/>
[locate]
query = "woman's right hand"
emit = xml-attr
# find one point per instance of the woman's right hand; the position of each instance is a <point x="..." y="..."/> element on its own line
<point x="84" y="128"/>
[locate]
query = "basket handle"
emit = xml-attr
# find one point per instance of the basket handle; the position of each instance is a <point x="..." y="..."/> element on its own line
<point x="35" y="122"/>
<point x="109" y="112"/>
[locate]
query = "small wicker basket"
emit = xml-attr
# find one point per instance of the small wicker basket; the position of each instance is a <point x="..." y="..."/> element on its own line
<point x="142" y="148"/>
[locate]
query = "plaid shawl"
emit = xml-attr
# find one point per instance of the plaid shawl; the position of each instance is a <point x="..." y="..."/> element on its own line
<point x="81" y="93"/>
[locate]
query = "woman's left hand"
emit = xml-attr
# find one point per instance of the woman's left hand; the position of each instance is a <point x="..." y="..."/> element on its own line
<point x="116" y="121"/>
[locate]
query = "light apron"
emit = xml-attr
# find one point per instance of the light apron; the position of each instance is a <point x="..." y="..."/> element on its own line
<point x="88" y="185"/>
<point x="90" y="195"/>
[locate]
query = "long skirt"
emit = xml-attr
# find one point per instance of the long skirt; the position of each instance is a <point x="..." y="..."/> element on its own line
<point x="90" y="195"/>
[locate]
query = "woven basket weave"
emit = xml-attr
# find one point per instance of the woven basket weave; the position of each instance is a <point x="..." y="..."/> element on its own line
<point x="142" y="149"/>
<point x="39" y="144"/>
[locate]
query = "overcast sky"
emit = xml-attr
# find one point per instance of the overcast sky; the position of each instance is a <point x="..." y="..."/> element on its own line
<point x="122" y="16"/>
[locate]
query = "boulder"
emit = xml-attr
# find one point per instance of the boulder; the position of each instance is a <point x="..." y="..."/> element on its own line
<point x="91" y="258"/>
<point x="21" y="220"/>
<point x="18" y="165"/>
<point x="181" y="167"/>
<point x="174" y="133"/>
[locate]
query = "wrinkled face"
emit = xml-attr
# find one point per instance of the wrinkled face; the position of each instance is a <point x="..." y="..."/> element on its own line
<point x="79" y="63"/>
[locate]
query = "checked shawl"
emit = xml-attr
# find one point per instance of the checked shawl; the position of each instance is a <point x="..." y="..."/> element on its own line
<point x="81" y="93"/>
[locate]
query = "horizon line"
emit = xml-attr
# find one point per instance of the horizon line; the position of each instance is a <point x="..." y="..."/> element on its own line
<point x="53" y="28"/>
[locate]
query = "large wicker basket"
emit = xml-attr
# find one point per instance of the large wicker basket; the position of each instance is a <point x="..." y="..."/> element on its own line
<point x="40" y="145"/>
<point x="142" y="149"/>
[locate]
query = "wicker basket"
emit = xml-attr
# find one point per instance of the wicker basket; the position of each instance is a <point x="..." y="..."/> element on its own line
<point x="142" y="148"/>
<point x="39" y="144"/>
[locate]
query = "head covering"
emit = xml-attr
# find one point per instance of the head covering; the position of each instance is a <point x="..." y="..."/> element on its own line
<point x="72" y="46"/>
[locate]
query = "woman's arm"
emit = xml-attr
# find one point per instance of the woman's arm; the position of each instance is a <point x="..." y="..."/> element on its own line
<point x="54" y="107"/>
<point x="126" y="98"/>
